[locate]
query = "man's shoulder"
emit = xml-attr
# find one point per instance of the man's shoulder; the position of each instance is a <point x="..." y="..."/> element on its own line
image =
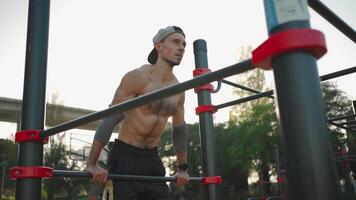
<point x="139" y="71"/>
<point x="139" y="74"/>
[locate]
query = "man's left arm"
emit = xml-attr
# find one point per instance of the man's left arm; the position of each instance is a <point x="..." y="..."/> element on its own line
<point x="180" y="142"/>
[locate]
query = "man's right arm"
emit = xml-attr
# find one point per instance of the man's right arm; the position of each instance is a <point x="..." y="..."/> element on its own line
<point x="101" y="138"/>
<point x="99" y="174"/>
<point x="128" y="88"/>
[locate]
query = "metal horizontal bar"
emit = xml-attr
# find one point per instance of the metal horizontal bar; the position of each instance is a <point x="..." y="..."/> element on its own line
<point x="153" y="96"/>
<point x="243" y="87"/>
<point x="85" y="174"/>
<point x="348" y="159"/>
<point x="350" y="126"/>
<point x="245" y="99"/>
<point x="338" y="73"/>
<point x="351" y="122"/>
<point x="333" y="19"/>
<point x="322" y="78"/>
<point x="341" y="118"/>
<point x="343" y="127"/>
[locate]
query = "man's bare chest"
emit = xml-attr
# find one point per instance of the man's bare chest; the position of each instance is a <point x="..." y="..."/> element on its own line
<point x="166" y="107"/>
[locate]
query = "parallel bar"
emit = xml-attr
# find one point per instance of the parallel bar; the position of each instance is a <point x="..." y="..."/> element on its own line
<point x="351" y="122"/>
<point x="351" y="126"/>
<point x="245" y="99"/>
<point x="334" y="19"/>
<point x="343" y="127"/>
<point x="338" y="74"/>
<point x="341" y="117"/>
<point x="34" y="94"/>
<point x="153" y="96"/>
<point x="206" y="125"/>
<point x="84" y="174"/>
<point x="322" y="78"/>
<point x="345" y="157"/>
<point x="243" y="87"/>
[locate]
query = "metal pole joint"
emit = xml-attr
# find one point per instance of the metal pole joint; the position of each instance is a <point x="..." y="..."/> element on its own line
<point x="31" y="172"/>
<point x="30" y="135"/>
<point x="296" y="39"/>
<point x="205" y="108"/>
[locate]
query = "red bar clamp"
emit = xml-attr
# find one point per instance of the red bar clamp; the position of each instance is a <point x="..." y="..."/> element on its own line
<point x="281" y="179"/>
<point x="30" y="135"/>
<point x="200" y="71"/>
<point x="31" y="172"/>
<point x="208" y="87"/>
<point x="211" y="180"/>
<point x="301" y="39"/>
<point x="205" y="108"/>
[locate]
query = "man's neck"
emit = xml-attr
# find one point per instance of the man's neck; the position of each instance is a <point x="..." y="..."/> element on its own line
<point x="163" y="70"/>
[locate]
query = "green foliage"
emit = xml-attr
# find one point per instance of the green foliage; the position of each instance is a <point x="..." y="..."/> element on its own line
<point x="8" y="159"/>
<point x="255" y="136"/>
<point x="248" y="142"/>
<point x="57" y="157"/>
<point x="240" y="148"/>
<point x="337" y="103"/>
<point x="254" y="79"/>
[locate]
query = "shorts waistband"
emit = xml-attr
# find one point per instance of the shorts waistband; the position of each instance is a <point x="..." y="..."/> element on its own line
<point x="130" y="148"/>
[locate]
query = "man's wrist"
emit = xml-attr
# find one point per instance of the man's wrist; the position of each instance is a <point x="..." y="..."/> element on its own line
<point x="182" y="167"/>
<point x="91" y="163"/>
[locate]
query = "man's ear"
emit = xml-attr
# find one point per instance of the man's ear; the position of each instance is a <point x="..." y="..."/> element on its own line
<point x="158" y="46"/>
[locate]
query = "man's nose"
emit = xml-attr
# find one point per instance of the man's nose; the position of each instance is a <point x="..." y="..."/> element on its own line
<point x="181" y="48"/>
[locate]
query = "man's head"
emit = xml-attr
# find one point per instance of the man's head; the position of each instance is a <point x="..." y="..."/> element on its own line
<point x="169" y="44"/>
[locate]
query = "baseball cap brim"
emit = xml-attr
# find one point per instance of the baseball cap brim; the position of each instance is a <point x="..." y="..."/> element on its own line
<point x="152" y="57"/>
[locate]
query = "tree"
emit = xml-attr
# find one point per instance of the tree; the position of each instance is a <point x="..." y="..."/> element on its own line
<point x="337" y="104"/>
<point x="8" y="159"/>
<point x="253" y="147"/>
<point x="256" y="127"/>
<point x="254" y="79"/>
<point x="57" y="157"/>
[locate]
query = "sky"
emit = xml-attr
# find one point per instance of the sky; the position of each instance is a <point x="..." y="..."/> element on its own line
<point x="93" y="43"/>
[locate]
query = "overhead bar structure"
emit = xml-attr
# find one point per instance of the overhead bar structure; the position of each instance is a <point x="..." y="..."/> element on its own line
<point x="301" y="108"/>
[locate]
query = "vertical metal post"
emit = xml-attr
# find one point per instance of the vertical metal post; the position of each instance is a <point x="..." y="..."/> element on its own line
<point x="206" y="125"/>
<point x="311" y="168"/>
<point x="33" y="106"/>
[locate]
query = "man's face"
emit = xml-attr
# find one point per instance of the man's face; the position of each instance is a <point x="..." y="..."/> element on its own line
<point x="172" y="48"/>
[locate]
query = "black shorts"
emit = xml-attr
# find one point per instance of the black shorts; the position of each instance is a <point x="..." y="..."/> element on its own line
<point x="128" y="159"/>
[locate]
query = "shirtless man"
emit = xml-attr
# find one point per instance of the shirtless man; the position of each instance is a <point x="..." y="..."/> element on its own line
<point x="135" y="151"/>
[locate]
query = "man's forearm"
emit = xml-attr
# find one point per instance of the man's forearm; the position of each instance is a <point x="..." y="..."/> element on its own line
<point x="95" y="151"/>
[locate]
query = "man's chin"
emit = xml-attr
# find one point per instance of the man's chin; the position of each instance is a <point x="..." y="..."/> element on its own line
<point x="173" y="63"/>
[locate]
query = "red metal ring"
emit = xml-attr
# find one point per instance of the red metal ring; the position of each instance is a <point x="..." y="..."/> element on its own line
<point x="281" y="179"/>
<point x="301" y="39"/>
<point x="29" y="135"/>
<point x="205" y="108"/>
<point x="208" y="87"/>
<point x="212" y="180"/>
<point x="31" y="172"/>
<point x="200" y="71"/>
